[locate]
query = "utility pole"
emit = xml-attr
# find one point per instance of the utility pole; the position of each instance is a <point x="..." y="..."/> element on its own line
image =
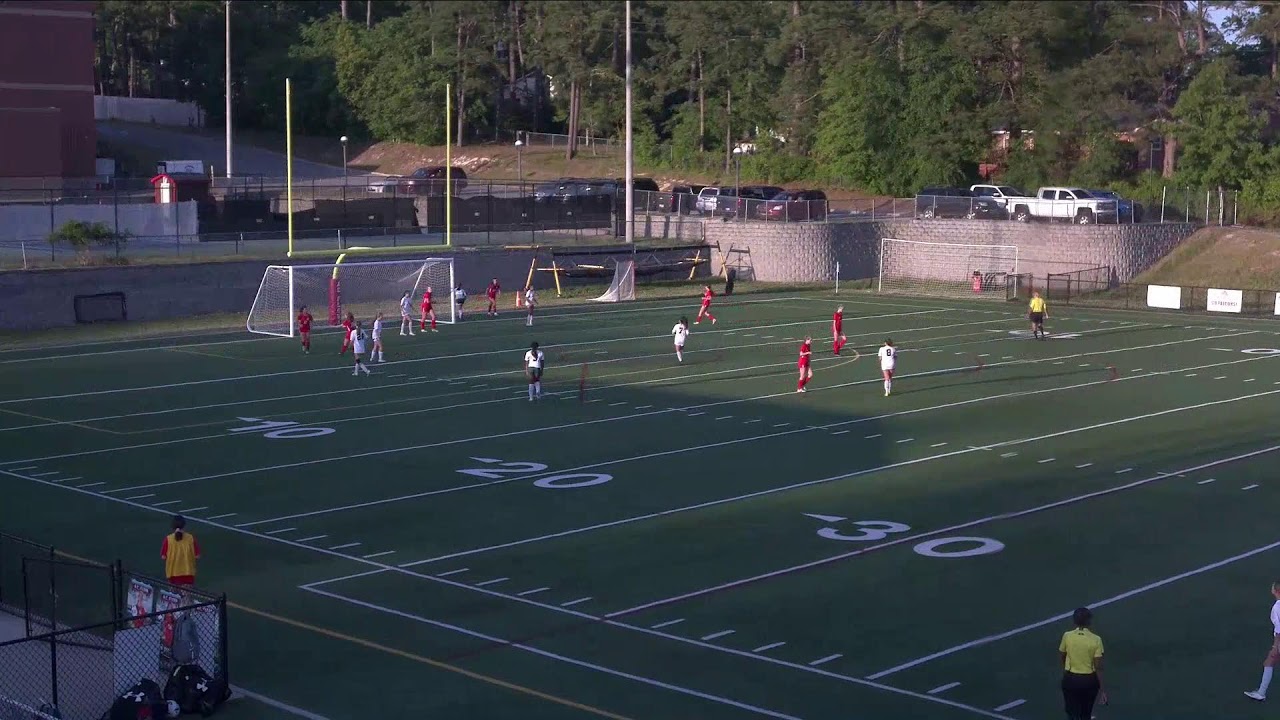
<point x="227" y="89"/>
<point x="629" y="172"/>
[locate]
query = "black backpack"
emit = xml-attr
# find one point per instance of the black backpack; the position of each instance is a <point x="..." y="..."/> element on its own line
<point x="194" y="691"/>
<point x="143" y="701"/>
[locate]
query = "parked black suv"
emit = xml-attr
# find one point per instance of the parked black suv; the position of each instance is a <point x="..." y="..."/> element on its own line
<point x="742" y="202"/>
<point x="952" y="202"/>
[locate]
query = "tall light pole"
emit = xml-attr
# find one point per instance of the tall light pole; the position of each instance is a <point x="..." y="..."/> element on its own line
<point x="629" y="173"/>
<point x="520" y="164"/>
<point x="737" y="171"/>
<point x="343" y="140"/>
<point x="227" y="88"/>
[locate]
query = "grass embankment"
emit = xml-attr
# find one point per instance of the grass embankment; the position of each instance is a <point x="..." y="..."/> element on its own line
<point x="1237" y="258"/>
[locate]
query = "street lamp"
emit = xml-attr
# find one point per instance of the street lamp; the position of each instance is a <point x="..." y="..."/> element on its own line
<point x="343" y="140"/>
<point x="737" y="170"/>
<point x="520" y="164"/>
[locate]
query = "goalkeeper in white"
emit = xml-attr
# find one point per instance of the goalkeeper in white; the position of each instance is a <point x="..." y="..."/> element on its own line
<point x="680" y="333"/>
<point x="406" y="320"/>
<point x="376" y="354"/>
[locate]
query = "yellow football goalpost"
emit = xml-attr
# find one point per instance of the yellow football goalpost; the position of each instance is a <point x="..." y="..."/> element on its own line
<point x="448" y="188"/>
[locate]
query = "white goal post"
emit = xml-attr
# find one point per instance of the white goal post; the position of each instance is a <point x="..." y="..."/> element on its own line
<point x="363" y="289"/>
<point x="623" y="286"/>
<point x="945" y="269"/>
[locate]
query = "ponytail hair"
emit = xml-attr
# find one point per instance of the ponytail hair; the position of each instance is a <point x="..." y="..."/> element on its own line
<point x="179" y="523"/>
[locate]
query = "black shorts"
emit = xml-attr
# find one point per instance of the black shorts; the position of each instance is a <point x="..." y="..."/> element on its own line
<point x="1079" y="692"/>
<point x="1036" y="317"/>
<point x="535" y="374"/>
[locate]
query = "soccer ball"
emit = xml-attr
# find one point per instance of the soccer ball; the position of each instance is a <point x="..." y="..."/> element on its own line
<point x="173" y="710"/>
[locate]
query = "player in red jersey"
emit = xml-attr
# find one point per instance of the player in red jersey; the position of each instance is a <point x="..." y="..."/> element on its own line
<point x="706" y="306"/>
<point x="427" y="312"/>
<point x="304" y="328"/>
<point x="838" y="340"/>
<point x="348" y="324"/>
<point x="492" y="292"/>
<point x="806" y="372"/>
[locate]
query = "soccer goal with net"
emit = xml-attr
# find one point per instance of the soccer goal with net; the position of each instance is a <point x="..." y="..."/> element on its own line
<point x="362" y="288"/>
<point x="946" y="269"/>
<point x="623" y="286"/>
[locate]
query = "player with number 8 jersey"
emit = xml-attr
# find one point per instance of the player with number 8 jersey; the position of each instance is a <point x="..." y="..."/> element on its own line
<point x="888" y="361"/>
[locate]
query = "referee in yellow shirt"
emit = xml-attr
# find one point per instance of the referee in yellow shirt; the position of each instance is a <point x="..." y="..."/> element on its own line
<point x="1081" y="655"/>
<point x="1036" y="313"/>
<point x="180" y="551"/>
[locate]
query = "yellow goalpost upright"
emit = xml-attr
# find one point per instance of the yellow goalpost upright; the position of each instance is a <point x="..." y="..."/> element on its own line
<point x="402" y="249"/>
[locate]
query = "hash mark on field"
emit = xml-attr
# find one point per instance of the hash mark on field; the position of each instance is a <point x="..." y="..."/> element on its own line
<point x="344" y="547"/>
<point x="643" y="407"/>
<point x="1046" y="460"/>
<point x="481" y="385"/>
<point x="1249" y="380"/>
<point x="1084" y="364"/>
<point x="1008" y="454"/>
<point x="89" y="485"/>
<point x="1136" y="370"/>
<point x="870" y="437"/>
<point x="141" y="497"/>
<point x="695" y="414"/>
<point x="1006" y="357"/>
<point x="1122" y="471"/>
<point x="748" y="422"/>
<point x="748" y="334"/>
<point x="616" y="404"/>
<point x="937" y="445"/>
<point x="766" y="337"/>
<point x="596" y="400"/>
<point x="494" y="581"/>
<point x="1249" y="487"/>
<point x="70" y="479"/>
<point x="1223" y="349"/>
<point x="782" y="424"/>
<point x="398" y="376"/>
<point x="840" y="432"/>
<point x="166" y="502"/>
<point x="312" y="538"/>
<point x="1010" y="705"/>
<point x="184" y="511"/>
<point x="1082" y="466"/>
<point x="943" y="688"/>
<point x="1221" y="377"/>
<point x="827" y="659"/>
<point x="44" y="474"/>
<point x="724" y="417"/>
<point x="219" y="517"/>
<point x="1206" y="482"/>
<point x="1189" y="375"/>
<point x="985" y="355"/>
<point x="668" y="623"/>
<point x="602" y="352"/>
<point x="378" y="554"/>
<point x="905" y="440"/>
<point x="770" y="646"/>
<point x="280" y="531"/>
<point x="1060" y="363"/>
<point x="715" y="635"/>
<point x="452" y="572"/>
<point x="23" y="469"/>
<point x="534" y="591"/>
<point x="579" y="601"/>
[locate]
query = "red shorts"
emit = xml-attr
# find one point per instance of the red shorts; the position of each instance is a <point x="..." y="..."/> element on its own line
<point x="803" y="364"/>
<point x="839" y="329"/>
<point x="706" y="304"/>
<point x="182" y="580"/>
<point x="305" y="329"/>
<point x="426" y="309"/>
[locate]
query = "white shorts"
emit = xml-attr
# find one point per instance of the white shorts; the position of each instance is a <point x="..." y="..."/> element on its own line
<point x="358" y="349"/>
<point x="679" y="343"/>
<point x="377" y="337"/>
<point x="888" y="369"/>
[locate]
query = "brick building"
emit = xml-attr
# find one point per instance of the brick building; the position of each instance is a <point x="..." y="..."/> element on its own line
<point x="46" y="89"/>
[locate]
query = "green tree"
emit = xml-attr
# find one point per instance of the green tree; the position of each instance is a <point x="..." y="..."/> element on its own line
<point x="1218" y="131"/>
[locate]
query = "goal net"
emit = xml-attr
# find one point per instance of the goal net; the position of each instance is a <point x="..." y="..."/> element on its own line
<point x="623" y="286"/>
<point x="363" y="289"/>
<point x="946" y="269"/>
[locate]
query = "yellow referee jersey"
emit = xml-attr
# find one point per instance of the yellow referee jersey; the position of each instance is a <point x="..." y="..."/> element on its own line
<point x="1037" y="305"/>
<point x="1083" y="649"/>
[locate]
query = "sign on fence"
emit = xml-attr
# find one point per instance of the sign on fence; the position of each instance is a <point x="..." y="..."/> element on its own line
<point x="1164" y="296"/>
<point x="1224" y="300"/>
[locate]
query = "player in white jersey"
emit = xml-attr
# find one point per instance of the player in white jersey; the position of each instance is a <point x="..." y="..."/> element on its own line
<point x="459" y="297"/>
<point x="406" y="307"/>
<point x="1273" y="656"/>
<point x="888" y="361"/>
<point x="358" y="340"/>
<point x="376" y="355"/>
<point x="534" y="360"/>
<point x="681" y="333"/>
<point x="530" y="301"/>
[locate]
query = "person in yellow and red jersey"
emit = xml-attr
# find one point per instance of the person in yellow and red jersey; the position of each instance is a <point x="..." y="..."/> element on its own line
<point x="1036" y="313"/>
<point x="180" y="552"/>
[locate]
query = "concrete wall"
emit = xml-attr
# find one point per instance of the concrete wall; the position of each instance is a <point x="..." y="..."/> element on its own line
<point x="809" y="252"/>
<point x="45" y="298"/>
<point x="156" y="111"/>
<point x="33" y="223"/>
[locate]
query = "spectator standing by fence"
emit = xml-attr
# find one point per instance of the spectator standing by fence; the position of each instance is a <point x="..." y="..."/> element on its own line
<point x="180" y="551"/>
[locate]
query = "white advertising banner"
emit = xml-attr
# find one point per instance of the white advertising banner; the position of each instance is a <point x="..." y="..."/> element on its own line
<point x="1164" y="296"/>
<point x="1278" y="303"/>
<point x="1224" y="300"/>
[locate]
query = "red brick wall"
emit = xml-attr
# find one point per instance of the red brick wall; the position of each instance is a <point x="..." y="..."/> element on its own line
<point x="46" y="61"/>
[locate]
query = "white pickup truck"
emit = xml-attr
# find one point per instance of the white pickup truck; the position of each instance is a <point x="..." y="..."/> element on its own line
<point x="1002" y="194"/>
<point x="1063" y="203"/>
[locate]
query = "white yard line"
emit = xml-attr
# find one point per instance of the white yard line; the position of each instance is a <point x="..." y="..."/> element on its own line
<point x="825" y="660"/>
<point x="767" y="648"/>
<point x="917" y="537"/>
<point x="668" y="623"/>
<point x="579" y="601"/>
<point x="1009" y="705"/>
<point x="1064" y="616"/>
<point x="944" y="688"/>
<point x="292" y="710"/>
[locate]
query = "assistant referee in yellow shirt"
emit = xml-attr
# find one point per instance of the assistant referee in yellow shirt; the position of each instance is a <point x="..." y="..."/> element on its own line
<point x="1081" y="654"/>
<point x="1036" y="313"/>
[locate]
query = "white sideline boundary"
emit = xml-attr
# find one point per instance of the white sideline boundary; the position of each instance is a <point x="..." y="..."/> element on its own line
<point x="272" y="702"/>
<point x="501" y="373"/>
<point x="527" y="431"/>
<point x="1066" y="616"/>
<point x="569" y="611"/>
<point x="662" y="453"/>
<point x="719" y="699"/>
<point x="412" y="361"/>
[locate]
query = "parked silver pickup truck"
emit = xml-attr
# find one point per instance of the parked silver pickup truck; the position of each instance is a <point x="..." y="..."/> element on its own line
<point x="1064" y="203"/>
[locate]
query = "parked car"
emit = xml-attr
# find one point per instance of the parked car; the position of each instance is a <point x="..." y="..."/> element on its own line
<point x="681" y="199"/>
<point x="953" y="202"/>
<point x="707" y="199"/>
<point x="1065" y="203"/>
<point x="423" y="181"/>
<point x="794" y="206"/>
<point x="1128" y="210"/>
<point x="1001" y="193"/>
<point x="743" y="201"/>
<point x="644" y="193"/>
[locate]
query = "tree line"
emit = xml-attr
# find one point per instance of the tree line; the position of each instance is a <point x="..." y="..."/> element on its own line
<point x="885" y="95"/>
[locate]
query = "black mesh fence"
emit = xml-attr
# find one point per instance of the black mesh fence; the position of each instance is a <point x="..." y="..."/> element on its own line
<point x="13" y="550"/>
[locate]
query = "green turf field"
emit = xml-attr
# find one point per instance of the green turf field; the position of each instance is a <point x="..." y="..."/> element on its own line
<point x="688" y="540"/>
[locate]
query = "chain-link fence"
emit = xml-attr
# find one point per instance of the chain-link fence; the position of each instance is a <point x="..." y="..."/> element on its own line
<point x="85" y="633"/>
